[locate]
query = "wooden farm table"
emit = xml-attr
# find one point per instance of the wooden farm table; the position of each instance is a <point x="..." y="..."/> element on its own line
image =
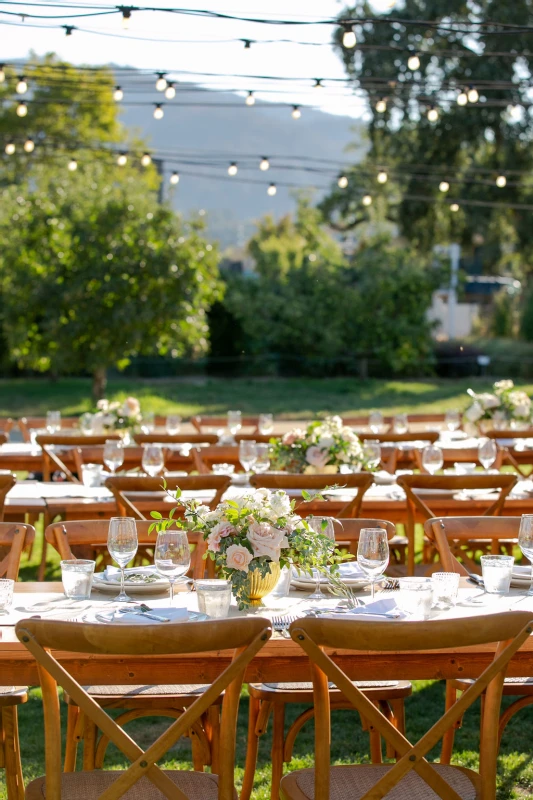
<point x="278" y="659"/>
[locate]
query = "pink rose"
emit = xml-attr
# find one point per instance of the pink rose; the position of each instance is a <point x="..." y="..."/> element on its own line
<point x="316" y="457"/>
<point x="217" y="533"/>
<point x="238" y="557"/>
<point x="265" y="540"/>
<point x="292" y="436"/>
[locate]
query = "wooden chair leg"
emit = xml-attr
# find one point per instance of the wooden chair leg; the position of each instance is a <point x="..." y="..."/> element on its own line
<point x="252" y="746"/>
<point x="14" y="782"/>
<point x="376" y="753"/>
<point x="449" y="736"/>
<point x="212" y="730"/>
<point x="197" y="751"/>
<point x="89" y="744"/>
<point x="510" y="712"/>
<point x="398" y="720"/>
<point x="278" y="737"/>
<point x="71" y="743"/>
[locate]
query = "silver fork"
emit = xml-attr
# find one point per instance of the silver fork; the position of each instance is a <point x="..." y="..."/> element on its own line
<point x="281" y="625"/>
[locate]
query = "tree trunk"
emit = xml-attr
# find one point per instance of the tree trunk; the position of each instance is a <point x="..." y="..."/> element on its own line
<point x="99" y="383"/>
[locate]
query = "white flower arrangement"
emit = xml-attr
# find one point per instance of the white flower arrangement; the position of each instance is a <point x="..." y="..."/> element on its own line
<point x="504" y="405"/>
<point x="324" y="443"/>
<point x="116" y="415"/>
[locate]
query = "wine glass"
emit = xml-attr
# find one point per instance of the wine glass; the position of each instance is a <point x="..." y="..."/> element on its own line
<point x="86" y="424"/>
<point x="234" y="422"/>
<point x="452" y="419"/>
<point x="262" y="461"/>
<point x="172" y="556"/>
<point x="113" y="454"/>
<point x="247" y="453"/>
<point x="432" y="458"/>
<point x="375" y="421"/>
<point x="400" y="423"/>
<point x="148" y="422"/>
<point x="372" y="452"/>
<point x="53" y="421"/>
<point x="525" y="542"/>
<point x="373" y="553"/>
<point x="173" y="424"/>
<point x="153" y="459"/>
<point x="487" y="452"/>
<point x="323" y="525"/>
<point x="122" y="545"/>
<point x="265" y="424"/>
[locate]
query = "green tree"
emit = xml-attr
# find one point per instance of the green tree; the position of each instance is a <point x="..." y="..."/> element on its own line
<point x="95" y="271"/>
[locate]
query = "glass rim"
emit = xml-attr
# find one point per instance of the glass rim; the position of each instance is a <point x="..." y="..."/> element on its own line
<point x="7" y="580"/>
<point x="213" y="582"/>
<point x="70" y="562"/>
<point x="114" y="518"/>
<point x="495" y="557"/>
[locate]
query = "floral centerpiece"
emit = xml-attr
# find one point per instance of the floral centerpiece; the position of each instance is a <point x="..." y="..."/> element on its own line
<point x="252" y="537"/>
<point x="324" y="446"/>
<point x="117" y="416"/>
<point x="505" y="405"/>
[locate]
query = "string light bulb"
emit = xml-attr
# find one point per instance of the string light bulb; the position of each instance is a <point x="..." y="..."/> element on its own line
<point x="501" y="181"/>
<point x="170" y="91"/>
<point x="462" y="98"/>
<point x="247" y="44"/>
<point x="342" y="183"/>
<point x="318" y="84"/>
<point x="146" y="159"/>
<point x="381" y="105"/>
<point x="10" y="148"/>
<point x="473" y="94"/>
<point x="118" y="94"/>
<point x="158" y="111"/>
<point x="126" y="17"/>
<point x="122" y="160"/>
<point x="29" y="145"/>
<point x="454" y="207"/>
<point x="68" y="29"/>
<point x="349" y="39"/>
<point x="444" y="186"/>
<point x="22" y="110"/>
<point x="272" y="189"/>
<point x="382" y="176"/>
<point x="2" y="73"/>
<point x="433" y="114"/>
<point x="367" y="200"/>
<point x="72" y="165"/>
<point x="296" y="113"/>
<point x="413" y="62"/>
<point x="232" y="169"/>
<point x="161" y="82"/>
<point x="264" y="164"/>
<point x="22" y="85"/>
<point x="250" y="99"/>
<point x="174" y="178"/>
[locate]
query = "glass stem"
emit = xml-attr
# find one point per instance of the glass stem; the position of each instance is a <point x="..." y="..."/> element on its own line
<point x="171" y="593"/>
<point x="531" y="581"/>
<point x="372" y="589"/>
<point x="318" y="590"/>
<point x="121" y="581"/>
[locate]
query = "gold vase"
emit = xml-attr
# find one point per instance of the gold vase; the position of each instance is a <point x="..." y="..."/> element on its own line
<point x="259" y="586"/>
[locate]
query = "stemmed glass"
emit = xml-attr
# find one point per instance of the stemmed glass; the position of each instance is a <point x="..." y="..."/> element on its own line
<point x="375" y="421"/>
<point x="373" y="553"/>
<point x="172" y="556"/>
<point x="53" y="421"/>
<point x="400" y="423"/>
<point x="452" y="420"/>
<point x="487" y="452"/>
<point x="122" y="545"/>
<point x="113" y="454"/>
<point x="265" y="424"/>
<point x="432" y="458"/>
<point x="262" y="461"/>
<point x="323" y="525"/>
<point x="372" y="452"/>
<point x="525" y="542"/>
<point x="148" y="422"/>
<point x="234" y="422"/>
<point x="153" y="459"/>
<point x="173" y="424"/>
<point x="247" y="454"/>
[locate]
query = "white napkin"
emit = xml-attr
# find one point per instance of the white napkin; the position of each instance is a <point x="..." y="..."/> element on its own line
<point x="377" y="607"/>
<point x="173" y="614"/>
<point x="112" y="574"/>
<point x="350" y="570"/>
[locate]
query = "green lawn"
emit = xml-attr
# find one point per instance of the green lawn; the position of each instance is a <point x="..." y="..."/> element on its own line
<point x="289" y="397"/>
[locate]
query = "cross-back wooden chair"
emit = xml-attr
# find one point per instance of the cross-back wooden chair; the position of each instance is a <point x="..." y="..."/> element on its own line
<point x="205" y="457"/>
<point x="14" y="537"/>
<point x="413" y="776"/>
<point x="462" y="455"/>
<point x="245" y="636"/>
<point x="123" y="487"/>
<point x="28" y="424"/>
<point x="7" y="481"/>
<point x="202" y="422"/>
<point x="177" y="438"/>
<point x="362" y="481"/>
<point x="510" y="433"/>
<point x="416" y="504"/>
<point x="448" y="534"/>
<point x="271" y="699"/>
<point x="53" y="460"/>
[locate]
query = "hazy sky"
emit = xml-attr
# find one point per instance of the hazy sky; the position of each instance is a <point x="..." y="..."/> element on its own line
<point x="208" y="54"/>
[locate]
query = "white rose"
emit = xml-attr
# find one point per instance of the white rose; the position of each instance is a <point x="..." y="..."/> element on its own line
<point x="280" y="504"/>
<point x="503" y="386"/>
<point x="488" y="400"/>
<point x="238" y="557"/>
<point x="265" y="540"/>
<point x="316" y="457"/>
<point x="325" y="442"/>
<point x="217" y="533"/>
<point x="102" y="405"/>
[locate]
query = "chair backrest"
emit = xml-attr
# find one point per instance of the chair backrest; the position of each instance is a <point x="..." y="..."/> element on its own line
<point x="6" y="424"/>
<point x="461" y="455"/>
<point x="88" y="539"/>
<point x="73" y="440"/>
<point x="313" y="635"/>
<point x="245" y="636"/>
<point x="7" y="482"/>
<point x="27" y="424"/>
<point x="427" y="436"/>
<point x="510" y="433"/>
<point x="205" y="457"/>
<point x="347" y="531"/>
<point x="201" y="422"/>
<point x="14" y="537"/>
<point x="453" y="483"/>
<point x="177" y="438"/>
<point x="362" y="481"/>
<point x="124" y="486"/>
<point x="456" y="536"/>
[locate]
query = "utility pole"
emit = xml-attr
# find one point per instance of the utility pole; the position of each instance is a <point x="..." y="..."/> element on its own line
<point x="455" y="254"/>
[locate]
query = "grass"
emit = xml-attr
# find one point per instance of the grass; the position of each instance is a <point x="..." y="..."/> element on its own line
<point x="285" y="397"/>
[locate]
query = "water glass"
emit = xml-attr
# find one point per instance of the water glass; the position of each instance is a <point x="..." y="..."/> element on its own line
<point x="375" y="421"/>
<point x="214" y="597"/>
<point x="153" y="460"/>
<point x="113" y="454"/>
<point x="464" y="467"/>
<point x="525" y="542"/>
<point x="173" y="424"/>
<point x="445" y="586"/>
<point x="262" y="461"/>
<point x="400" y="423"/>
<point x="487" y="452"/>
<point x="148" y="422"/>
<point x="172" y="556"/>
<point x="415" y="597"/>
<point x="86" y="424"/>
<point x="265" y="424"/>
<point x="497" y="572"/>
<point x="77" y="576"/>
<point x="234" y="422"/>
<point x="432" y="458"/>
<point x="6" y="594"/>
<point x="373" y="553"/>
<point x="247" y="453"/>
<point x="323" y="525"/>
<point x="452" y="420"/>
<point x="91" y="474"/>
<point x="53" y="421"/>
<point x="223" y="469"/>
<point x="372" y="453"/>
<point x="122" y="546"/>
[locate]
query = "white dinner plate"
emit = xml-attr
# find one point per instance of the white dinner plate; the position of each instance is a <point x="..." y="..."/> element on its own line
<point x="155" y="587"/>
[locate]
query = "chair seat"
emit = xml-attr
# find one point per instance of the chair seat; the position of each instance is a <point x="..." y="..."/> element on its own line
<point x="90" y="785"/>
<point x="140" y="696"/>
<point x="352" y="782"/>
<point x="511" y="686"/>
<point x="13" y="695"/>
<point x="303" y="692"/>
